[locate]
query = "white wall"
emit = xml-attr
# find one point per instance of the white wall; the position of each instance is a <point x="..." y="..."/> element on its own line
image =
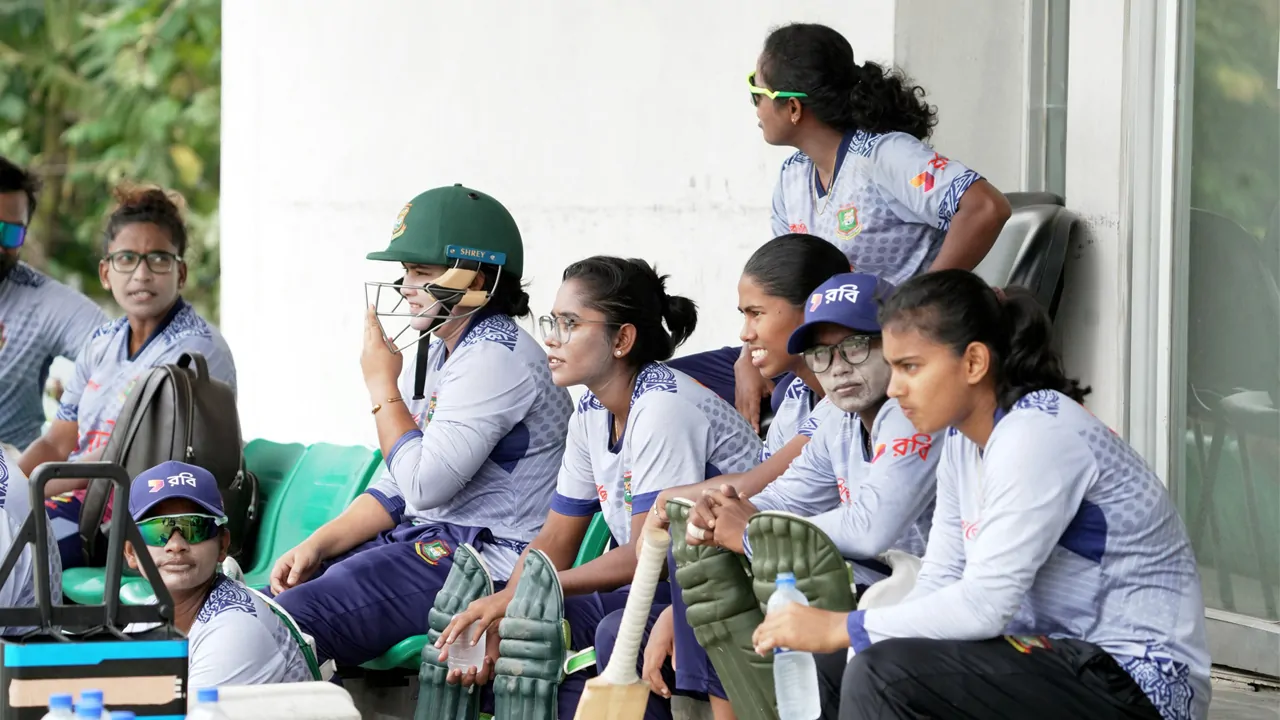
<point x="604" y="127"/>
<point x="970" y="57"/>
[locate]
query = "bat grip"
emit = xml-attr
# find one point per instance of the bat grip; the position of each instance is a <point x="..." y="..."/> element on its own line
<point x="635" y="615"/>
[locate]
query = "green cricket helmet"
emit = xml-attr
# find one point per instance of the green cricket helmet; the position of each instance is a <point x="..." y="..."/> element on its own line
<point x="457" y="228"/>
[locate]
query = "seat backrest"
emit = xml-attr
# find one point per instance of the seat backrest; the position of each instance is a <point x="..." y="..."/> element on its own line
<point x="271" y="462"/>
<point x="1031" y="252"/>
<point x="1233" y="310"/>
<point x="1023" y="199"/>
<point x="326" y="479"/>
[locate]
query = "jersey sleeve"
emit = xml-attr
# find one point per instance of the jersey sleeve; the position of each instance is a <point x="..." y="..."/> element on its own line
<point x="232" y="649"/>
<point x="779" y="214"/>
<point x="943" y="561"/>
<point x="576" y="492"/>
<point x="808" y="486"/>
<point x="75" y="323"/>
<point x="69" y="405"/>
<point x="893" y="493"/>
<point x="479" y="400"/>
<point x="215" y="352"/>
<point x="927" y="184"/>
<point x="667" y="440"/>
<point x="1033" y="480"/>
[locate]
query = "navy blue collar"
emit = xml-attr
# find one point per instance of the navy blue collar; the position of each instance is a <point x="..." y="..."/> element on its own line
<point x="168" y="318"/>
<point x="840" y="156"/>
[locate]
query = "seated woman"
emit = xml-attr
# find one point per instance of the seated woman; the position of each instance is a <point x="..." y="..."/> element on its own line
<point x="471" y="459"/>
<point x="235" y="636"/>
<point x="1058" y="580"/>
<point x="863" y="178"/>
<point x="143" y="268"/>
<point x="19" y="589"/>
<point x="772" y="293"/>
<point x="640" y="428"/>
<point x="866" y="479"/>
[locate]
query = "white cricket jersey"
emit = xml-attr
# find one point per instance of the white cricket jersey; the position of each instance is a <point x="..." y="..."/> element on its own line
<point x="1059" y="529"/>
<point x="236" y="639"/>
<point x="490" y="438"/>
<point x="15" y="505"/>
<point x="105" y="372"/>
<point x="800" y="413"/>
<point x="867" y="502"/>
<point x="890" y="202"/>
<point x="678" y="433"/>
<point x="40" y="319"/>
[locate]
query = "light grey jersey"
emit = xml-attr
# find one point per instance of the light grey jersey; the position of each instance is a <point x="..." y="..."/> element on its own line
<point x="889" y="206"/>
<point x="678" y="433"/>
<point x="1060" y="529"/>
<point x="799" y="413"/>
<point x="490" y="437"/>
<point x="237" y="639"/>
<point x="866" y="501"/>
<point x="15" y="505"/>
<point x="40" y="319"/>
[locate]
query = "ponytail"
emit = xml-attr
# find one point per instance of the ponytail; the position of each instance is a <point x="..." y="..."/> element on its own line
<point x="956" y="308"/>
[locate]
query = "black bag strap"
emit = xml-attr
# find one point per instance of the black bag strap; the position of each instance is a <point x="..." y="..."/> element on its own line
<point x="109" y="617"/>
<point x="94" y="505"/>
<point x="420" y="370"/>
<point x="202" y="365"/>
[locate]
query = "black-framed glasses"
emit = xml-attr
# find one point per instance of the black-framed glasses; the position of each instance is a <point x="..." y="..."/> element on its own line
<point x="158" y="262"/>
<point x="854" y="350"/>
<point x="561" y="327"/>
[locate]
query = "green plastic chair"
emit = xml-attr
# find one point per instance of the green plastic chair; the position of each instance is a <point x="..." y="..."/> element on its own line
<point x="407" y="654"/>
<point x="326" y="479"/>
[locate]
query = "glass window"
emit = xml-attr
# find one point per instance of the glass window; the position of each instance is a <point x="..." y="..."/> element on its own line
<point x="1230" y="455"/>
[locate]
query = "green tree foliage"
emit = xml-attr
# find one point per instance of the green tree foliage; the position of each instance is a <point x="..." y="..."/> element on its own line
<point x="1236" y="110"/>
<point x="96" y="92"/>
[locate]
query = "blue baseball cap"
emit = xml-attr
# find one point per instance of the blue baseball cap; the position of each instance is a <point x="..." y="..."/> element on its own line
<point x="174" y="479"/>
<point x="848" y="300"/>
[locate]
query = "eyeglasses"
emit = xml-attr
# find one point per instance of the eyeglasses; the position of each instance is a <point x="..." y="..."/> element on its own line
<point x="194" y="528"/>
<point x="854" y="350"/>
<point x="12" y="235"/>
<point x="757" y="91"/>
<point x="158" y="262"/>
<point x="561" y="327"/>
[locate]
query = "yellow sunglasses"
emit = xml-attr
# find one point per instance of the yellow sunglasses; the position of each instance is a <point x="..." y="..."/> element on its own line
<point x="757" y="91"/>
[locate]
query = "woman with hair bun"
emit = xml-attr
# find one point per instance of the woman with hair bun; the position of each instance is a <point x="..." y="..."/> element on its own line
<point x="641" y="428"/>
<point x="863" y="177"/>
<point x="143" y="267"/>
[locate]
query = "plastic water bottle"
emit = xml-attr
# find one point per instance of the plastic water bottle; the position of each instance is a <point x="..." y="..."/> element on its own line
<point x="795" y="674"/>
<point x="123" y="715"/>
<point x="89" y="709"/>
<point x="90" y="697"/>
<point x="60" y="707"/>
<point x="462" y="655"/>
<point x="206" y="706"/>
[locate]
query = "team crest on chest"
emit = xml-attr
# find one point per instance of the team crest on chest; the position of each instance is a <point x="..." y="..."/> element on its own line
<point x="847" y="223"/>
<point x="398" y="230"/>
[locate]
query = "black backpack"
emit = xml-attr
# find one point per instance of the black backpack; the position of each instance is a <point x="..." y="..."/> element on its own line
<point x="177" y="412"/>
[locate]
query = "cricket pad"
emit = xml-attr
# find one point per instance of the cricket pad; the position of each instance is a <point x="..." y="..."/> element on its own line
<point x="723" y="613"/>
<point x="534" y="641"/>
<point x="782" y="542"/>
<point x="468" y="580"/>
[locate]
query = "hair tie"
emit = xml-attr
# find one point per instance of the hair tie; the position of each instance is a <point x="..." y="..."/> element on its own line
<point x="1000" y="297"/>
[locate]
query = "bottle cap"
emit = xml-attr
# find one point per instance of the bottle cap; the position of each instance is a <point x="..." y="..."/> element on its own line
<point x="207" y="695"/>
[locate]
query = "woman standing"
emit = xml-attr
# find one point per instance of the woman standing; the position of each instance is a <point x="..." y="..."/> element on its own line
<point x="863" y="178"/>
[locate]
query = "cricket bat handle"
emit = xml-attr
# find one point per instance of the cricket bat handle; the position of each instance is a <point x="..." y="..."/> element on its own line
<point x="621" y="669"/>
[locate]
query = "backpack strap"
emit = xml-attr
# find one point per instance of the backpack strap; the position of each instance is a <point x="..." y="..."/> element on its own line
<point x="94" y="505"/>
<point x="420" y="370"/>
